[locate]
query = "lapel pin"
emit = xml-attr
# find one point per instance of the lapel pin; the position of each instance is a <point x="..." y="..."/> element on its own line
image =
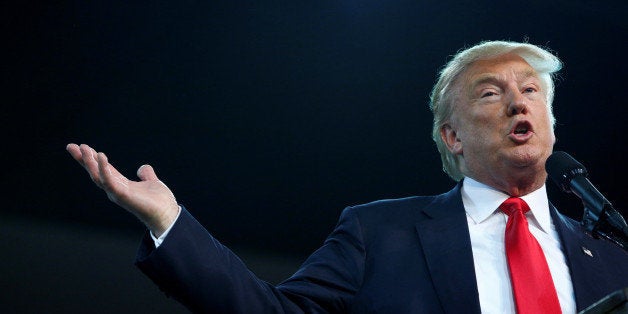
<point x="587" y="251"/>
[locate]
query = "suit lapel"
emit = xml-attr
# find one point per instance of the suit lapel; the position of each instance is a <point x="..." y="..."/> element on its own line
<point x="582" y="259"/>
<point x="447" y="248"/>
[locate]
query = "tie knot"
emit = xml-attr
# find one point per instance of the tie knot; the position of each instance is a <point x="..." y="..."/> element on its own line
<point x="514" y="205"/>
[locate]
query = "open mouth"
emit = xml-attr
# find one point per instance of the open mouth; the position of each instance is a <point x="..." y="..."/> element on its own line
<point x="522" y="128"/>
<point x="521" y="132"/>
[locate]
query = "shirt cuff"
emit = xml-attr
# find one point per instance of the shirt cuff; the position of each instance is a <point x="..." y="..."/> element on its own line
<point x="161" y="238"/>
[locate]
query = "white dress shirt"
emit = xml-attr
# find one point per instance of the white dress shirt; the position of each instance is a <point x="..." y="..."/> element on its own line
<point x="487" y="226"/>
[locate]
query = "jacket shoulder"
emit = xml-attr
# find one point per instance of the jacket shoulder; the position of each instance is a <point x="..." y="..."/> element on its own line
<point x="400" y="208"/>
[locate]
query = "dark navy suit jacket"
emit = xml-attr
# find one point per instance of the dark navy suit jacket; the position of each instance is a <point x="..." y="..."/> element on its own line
<point x="410" y="255"/>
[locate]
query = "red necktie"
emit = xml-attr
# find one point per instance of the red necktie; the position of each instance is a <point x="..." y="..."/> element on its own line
<point x="532" y="284"/>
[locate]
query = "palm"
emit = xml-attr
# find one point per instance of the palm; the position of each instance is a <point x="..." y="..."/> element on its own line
<point x="145" y="197"/>
<point x="149" y="199"/>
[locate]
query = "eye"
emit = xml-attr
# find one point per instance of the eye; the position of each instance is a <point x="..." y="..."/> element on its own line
<point x="488" y="94"/>
<point x="529" y="90"/>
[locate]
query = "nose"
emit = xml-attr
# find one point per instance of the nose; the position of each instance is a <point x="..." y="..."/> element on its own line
<point x="517" y="104"/>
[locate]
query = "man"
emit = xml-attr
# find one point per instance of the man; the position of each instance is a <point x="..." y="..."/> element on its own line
<point x="450" y="253"/>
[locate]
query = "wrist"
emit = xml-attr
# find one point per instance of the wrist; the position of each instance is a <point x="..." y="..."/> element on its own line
<point x="165" y="221"/>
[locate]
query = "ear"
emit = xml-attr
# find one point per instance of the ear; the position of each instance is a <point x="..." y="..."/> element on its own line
<point x="450" y="138"/>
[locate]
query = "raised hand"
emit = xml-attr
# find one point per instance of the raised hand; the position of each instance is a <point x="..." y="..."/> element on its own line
<point x="149" y="199"/>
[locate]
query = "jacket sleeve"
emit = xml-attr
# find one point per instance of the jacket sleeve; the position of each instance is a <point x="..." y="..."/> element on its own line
<point x="205" y="276"/>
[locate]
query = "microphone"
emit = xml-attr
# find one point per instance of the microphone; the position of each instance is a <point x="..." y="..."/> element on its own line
<point x="571" y="177"/>
<point x="600" y="218"/>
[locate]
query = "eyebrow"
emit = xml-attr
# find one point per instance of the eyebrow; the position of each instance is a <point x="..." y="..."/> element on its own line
<point x="493" y="78"/>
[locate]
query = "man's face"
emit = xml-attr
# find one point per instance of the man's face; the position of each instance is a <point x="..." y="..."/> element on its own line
<point x="500" y="123"/>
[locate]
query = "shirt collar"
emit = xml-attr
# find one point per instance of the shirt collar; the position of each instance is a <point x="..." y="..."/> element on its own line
<point x="481" y="201"/>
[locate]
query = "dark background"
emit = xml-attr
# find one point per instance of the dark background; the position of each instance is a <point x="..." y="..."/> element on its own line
<point x="266" y="119"/>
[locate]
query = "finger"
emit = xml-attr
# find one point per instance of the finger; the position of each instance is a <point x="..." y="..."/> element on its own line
<point x="103" y="172"/>
<point x="147" y="173"/>
<point x="111" y="179"/>
<point x="90" y="164"/>
<point x="111" y="171"/>
<point x="75" y="152"/>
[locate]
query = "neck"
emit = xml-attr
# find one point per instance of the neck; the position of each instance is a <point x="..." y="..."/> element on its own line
<point x="515" y="185"/>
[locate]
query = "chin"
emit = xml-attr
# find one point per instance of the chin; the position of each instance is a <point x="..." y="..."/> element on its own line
<point x="527" y="157"/>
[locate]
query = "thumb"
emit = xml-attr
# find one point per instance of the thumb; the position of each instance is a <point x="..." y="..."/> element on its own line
<point x="147" y="173"/>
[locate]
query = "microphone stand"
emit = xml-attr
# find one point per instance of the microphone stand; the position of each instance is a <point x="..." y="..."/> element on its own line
<point x="609" y="225"/>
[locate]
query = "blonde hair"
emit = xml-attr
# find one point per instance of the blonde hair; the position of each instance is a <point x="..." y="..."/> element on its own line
<point x="444" y="94"/>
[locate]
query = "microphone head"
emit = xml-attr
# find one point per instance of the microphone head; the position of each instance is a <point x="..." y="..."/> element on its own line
<point x="562" y="168"/>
